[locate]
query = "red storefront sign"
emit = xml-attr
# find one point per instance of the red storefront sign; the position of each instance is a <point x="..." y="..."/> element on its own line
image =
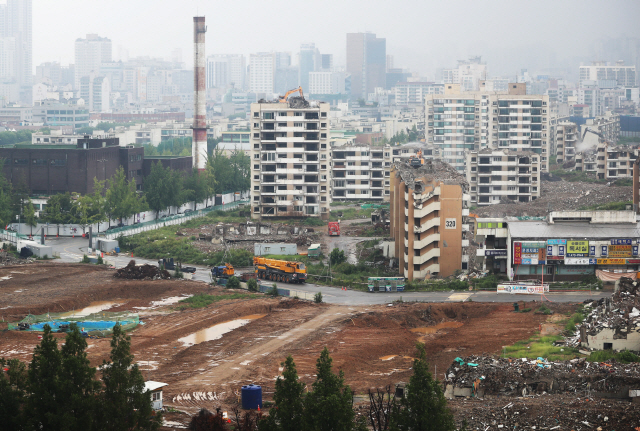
<point x="517" y="253"/>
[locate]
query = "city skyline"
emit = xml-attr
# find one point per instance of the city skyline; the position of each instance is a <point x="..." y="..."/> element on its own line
<point x="561" y="42"/>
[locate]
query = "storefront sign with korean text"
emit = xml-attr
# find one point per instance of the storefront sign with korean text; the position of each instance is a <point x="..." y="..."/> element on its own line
<point x="556" y="241"/>
<point x="577" y="248"/>
<point x="619" y="251"/>
<point x="621" y="241"/>
<point x="612" y="261"/>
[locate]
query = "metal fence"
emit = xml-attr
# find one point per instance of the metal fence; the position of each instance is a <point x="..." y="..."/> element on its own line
<point x="11" y="236"/>
<point x="171" y="220"/>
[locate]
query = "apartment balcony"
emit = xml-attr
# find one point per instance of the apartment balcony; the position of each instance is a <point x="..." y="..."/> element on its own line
<point x="427" y="225"/>
<point x="289" y="129"/>
<point x="465" y="228"/>
<point x="465" y="243"/>
<point x="465" y="212"/>
<point x="339" y="166"/>
<point x="419" y="260"/>
<point x="419" y="245"/>
<point x="431" y="269"/>
<point x="290" y="139"/>
<point x="428" y="209"/>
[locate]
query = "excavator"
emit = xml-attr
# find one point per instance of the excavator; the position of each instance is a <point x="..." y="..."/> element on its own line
<point x="598" y="134"/>
<point x="294" y="102"/>
<point x="285" y="98"/>
<point x="417" y="160"/>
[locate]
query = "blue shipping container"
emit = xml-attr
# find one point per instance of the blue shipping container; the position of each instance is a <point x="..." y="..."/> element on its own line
<point x="251" y="397"/>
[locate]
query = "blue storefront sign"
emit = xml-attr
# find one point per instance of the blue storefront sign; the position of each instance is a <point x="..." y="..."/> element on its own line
<point x="549" y="250"/>
<point x="592" y="250"/>
<point x="561" y="250"/>
<point x="556" y="241"/>
<point x="621" y="241"/>
<point x="495" y="252"/>
<point x="604" y="250"/>
<point x="634" y="250"/>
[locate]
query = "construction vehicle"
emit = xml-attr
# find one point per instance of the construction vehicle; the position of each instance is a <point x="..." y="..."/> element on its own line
<point x="222" y="271"/>
<point x="168" y="264"/>
<point x="417" y="160"/>
<point x="280" y="270"/>
<point x="334" y="228"/>
<point x="601" y="137"/>
<point x="285" y="98"/>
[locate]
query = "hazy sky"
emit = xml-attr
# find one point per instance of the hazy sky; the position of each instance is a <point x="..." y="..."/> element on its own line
<point x="422" y="35"/>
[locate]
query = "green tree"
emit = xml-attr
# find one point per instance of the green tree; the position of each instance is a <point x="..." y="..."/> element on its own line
<point x="12" y="394"/>
<point x="424" y="407"/>
<point x="337" y="256"/>
<point x="122" y="200"/>
<point x="77" y="384"/>
<point x="59" y="209"/>
<point x="124" y="405"/>
<point x="233" y="283"/>
<point x="6" y="199"/>
<point x="176" y="195"/>
<point x="288" y="413"/>
<point x="252" y="285"/>
<point x="45" y="395"/>
<point x="197" y="186"/>
<point x="329" y="407"/>
<point x="29" y="216"/>
<point x="155" y="185"/>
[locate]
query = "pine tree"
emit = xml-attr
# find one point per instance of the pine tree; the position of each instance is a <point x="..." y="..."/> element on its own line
<point x="77" y="383"/>
<point x="12" y="395"/>
<point x="125" y="405"/>
<point x="288" y="413"/>
<point x="329" y="406"/>
<point x="424" y="407"/>
<point x="44" y="398"/>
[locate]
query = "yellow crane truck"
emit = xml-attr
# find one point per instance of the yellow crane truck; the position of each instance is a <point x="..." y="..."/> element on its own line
<point x="280" y="270"/>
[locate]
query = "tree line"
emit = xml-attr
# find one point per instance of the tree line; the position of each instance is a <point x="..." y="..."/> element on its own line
<point x="117" y="198"/>
<point x="59" y="389"/>
<point x="328" y="404"/>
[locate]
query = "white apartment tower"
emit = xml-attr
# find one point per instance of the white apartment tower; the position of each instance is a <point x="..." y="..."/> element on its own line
<point x="290" y="160"/>
<point x="624" y="76"/>
<point x="90" y="53"/>
<point x="16" y="45"/>
<point x="262" y="71"/>
<point x="460" y="122"/>
<point x="225" y="70"/>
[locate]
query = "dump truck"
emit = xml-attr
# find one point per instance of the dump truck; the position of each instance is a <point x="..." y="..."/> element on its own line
<point x="169" y="264"/>
<point x="280" y="270"/>
<point x="334" y="228"/>
<point x="222" y="271"/>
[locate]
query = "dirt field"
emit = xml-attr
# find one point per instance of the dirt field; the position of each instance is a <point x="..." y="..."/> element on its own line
<point x="373" y="345"/>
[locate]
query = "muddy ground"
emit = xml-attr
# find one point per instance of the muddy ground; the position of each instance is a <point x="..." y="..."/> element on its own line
<point x="373" y="345"/>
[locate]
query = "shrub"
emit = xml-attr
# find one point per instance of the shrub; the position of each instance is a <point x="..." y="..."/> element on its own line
<point x="337" y="256"/>
<point x="627" y="357"/>
<point x="233" y="283"/>
<point x="543" y="310"/>
<point x="273" y="291"/>
<point x="99" y="261"/>
<point x="177" y="273"/>
<point x="317" y="298"/>
<point x="252" y="285"/>
<point x="85" y="259"/>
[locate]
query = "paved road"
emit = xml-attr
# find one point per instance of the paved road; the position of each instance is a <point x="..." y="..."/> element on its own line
<point x="72" y="249"/>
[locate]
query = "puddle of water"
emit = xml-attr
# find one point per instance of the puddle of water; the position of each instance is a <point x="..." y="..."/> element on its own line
<point x="94" y="307"/>
<point x="217" y="331"/>
<point x="436" y="328"/>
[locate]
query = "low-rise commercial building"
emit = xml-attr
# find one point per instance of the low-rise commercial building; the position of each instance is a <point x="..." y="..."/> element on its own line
<point x="496" y="176"/>
<point x="428" y="219"/>
<point x="570" y="245"/>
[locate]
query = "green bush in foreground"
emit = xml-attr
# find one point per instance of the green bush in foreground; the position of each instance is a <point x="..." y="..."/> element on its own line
<point x="233" y="283"/>
<point x="624" y="356"/>
<point x="317" y="298"/>
<point x="252" y="285"/>
<point x="202" y="299"/>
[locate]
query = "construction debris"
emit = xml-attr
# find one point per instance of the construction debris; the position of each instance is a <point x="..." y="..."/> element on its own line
<point x="7" y="259"/>
<point x="560" y="196"/>
<point x="141" y="272"/>
<point x="477" y="376"/>
<point x="611" y="319"/>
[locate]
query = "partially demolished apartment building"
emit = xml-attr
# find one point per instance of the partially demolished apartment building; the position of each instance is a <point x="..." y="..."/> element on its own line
<point x="290" y="159"/>
<point x="566" y="139"/>
<point x="608" y="162"/>
<point x="496" y="176"/>
<point x="429" y="219"/>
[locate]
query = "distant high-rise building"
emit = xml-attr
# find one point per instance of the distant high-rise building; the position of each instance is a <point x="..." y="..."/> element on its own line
<point x="389" y="62"/>
<point x="309" y="62"/>
<point x="366" y="63"/>
<point x="95" y="91"/>
<point x="90" y="53"/>
<point x="468" y="74"/>
<point x="599" y="71"/>
<point x="16" y="44"/>
<point x="225" y="70"/>
<point x="327" y="62"/>
<point x="262" y="72"/>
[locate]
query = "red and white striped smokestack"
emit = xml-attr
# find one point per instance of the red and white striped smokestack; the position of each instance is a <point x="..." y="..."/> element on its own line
<point x="199" y="142"/>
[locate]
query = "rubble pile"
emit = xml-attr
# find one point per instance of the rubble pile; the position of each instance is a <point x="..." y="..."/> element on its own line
<point x="560" y="196"/>
<point x="562" y="412"/>
<point x="522" y="377"/>
<point x="7" y="259"/>
<point x="620" y="313"/>
<point x="142" y="272"/>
